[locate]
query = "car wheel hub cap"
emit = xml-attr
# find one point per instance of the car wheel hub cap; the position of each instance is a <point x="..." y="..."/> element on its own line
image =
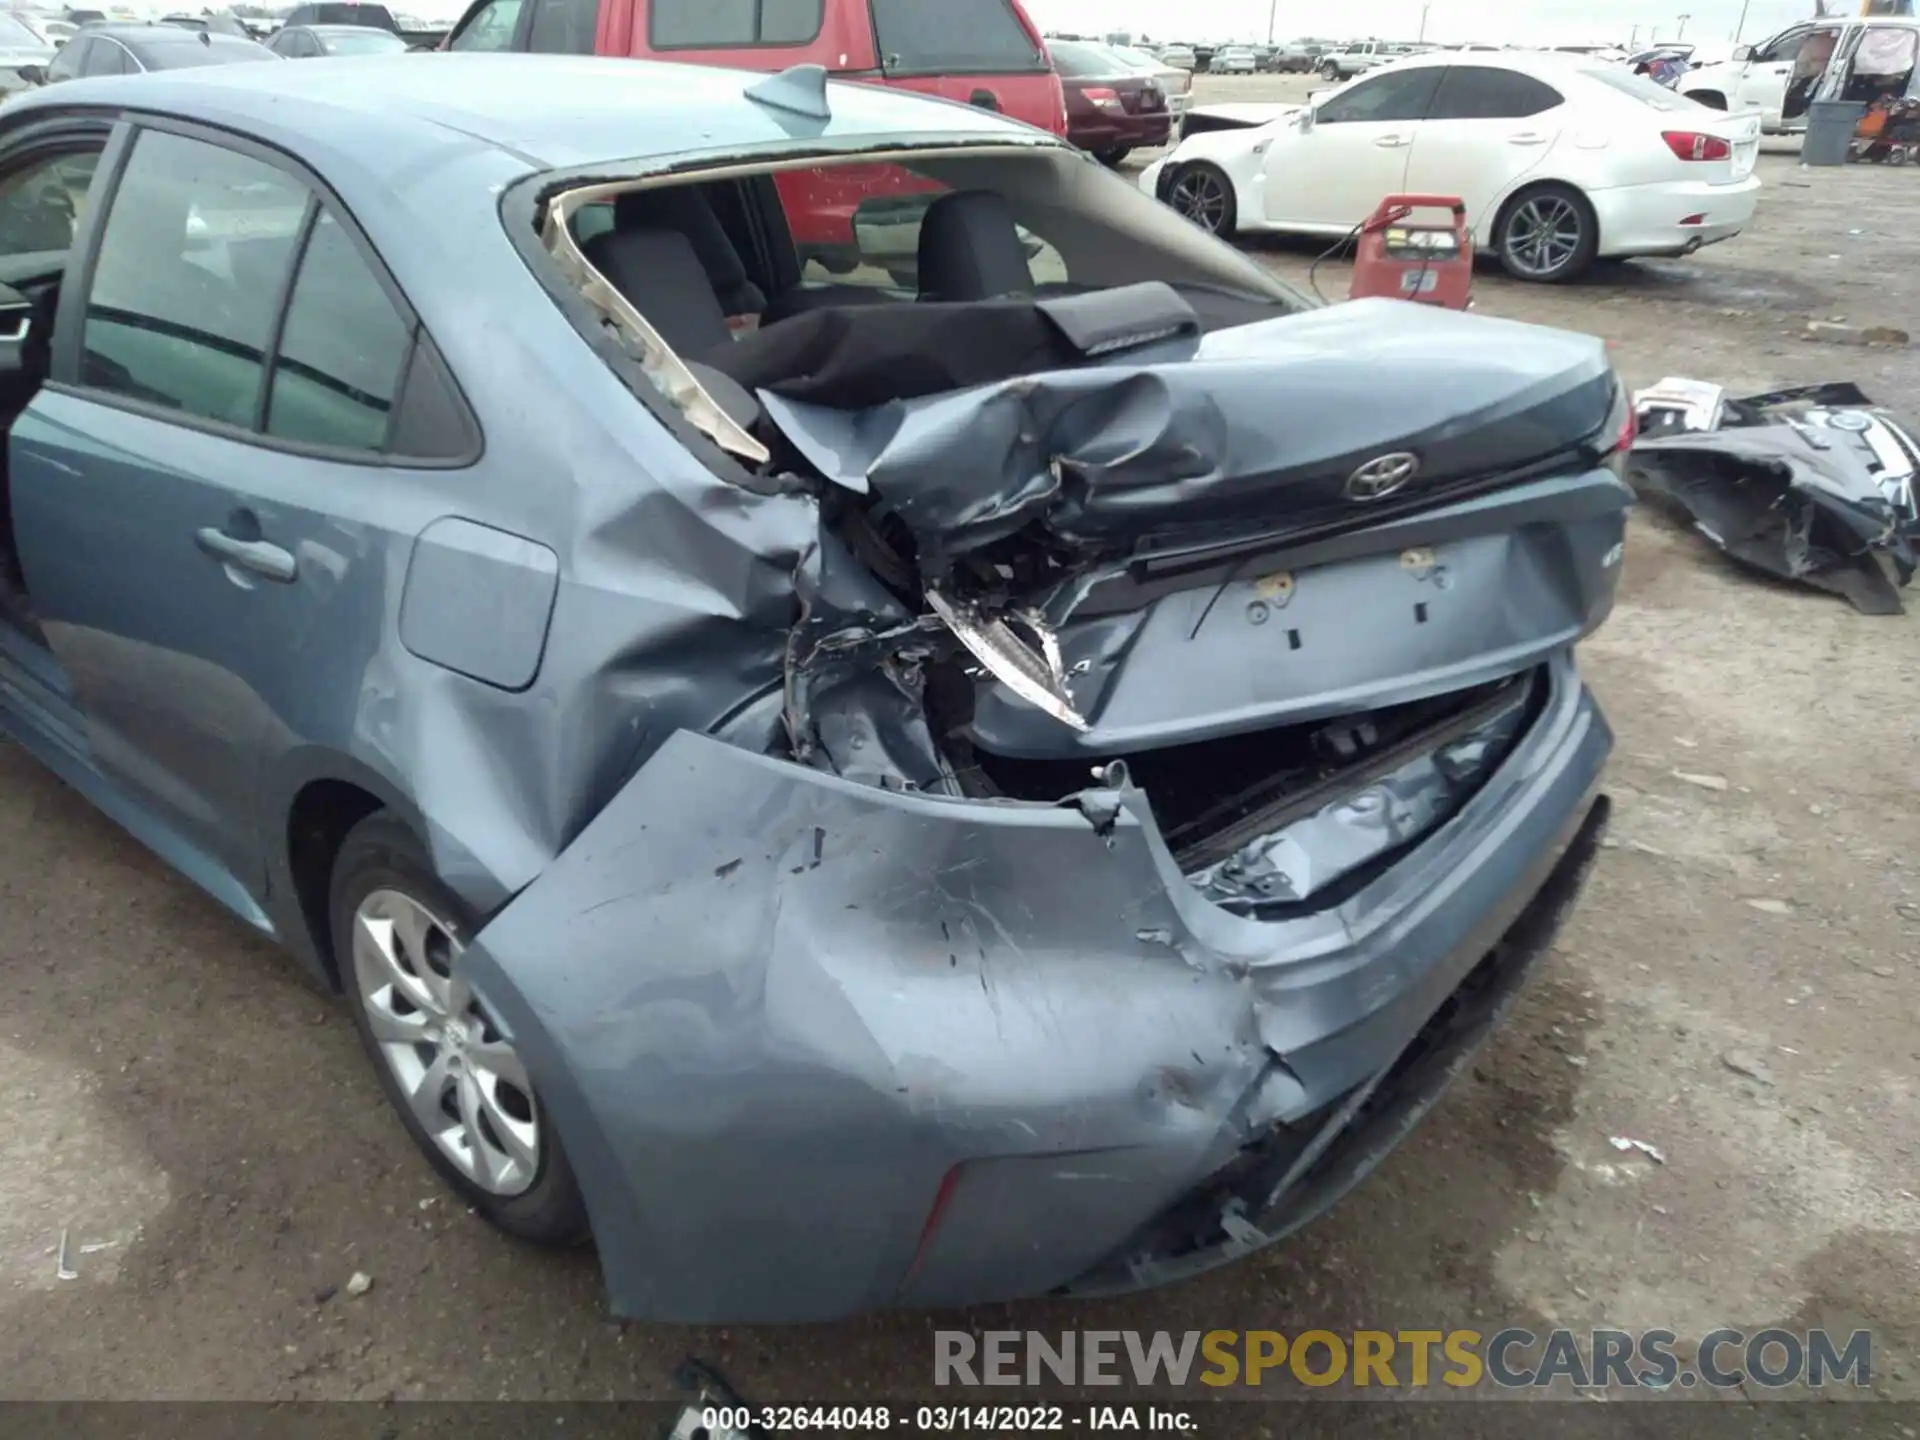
<point x="1201" y="200"/>
<point x="456" y="1072"/>
<point x="1544" y="235"/>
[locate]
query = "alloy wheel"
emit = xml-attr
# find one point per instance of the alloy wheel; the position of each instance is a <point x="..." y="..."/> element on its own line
<point x="1201" y="196"/>
<point x="463" y="1082"/>
<point x="1544" y="235"/>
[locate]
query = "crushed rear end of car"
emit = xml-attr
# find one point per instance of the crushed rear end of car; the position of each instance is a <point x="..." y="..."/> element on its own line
<point x="1176" y="762"/>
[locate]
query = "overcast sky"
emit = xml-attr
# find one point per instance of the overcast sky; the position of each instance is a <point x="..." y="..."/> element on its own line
<point x="1518" y="21"/>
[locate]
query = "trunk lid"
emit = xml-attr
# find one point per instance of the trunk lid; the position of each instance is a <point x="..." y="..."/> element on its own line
<point x="1258" y="430"/>
<point x="1183" y="544"/>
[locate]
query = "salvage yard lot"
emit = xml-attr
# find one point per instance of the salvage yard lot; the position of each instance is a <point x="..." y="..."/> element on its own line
<point x="1739" y="988"/>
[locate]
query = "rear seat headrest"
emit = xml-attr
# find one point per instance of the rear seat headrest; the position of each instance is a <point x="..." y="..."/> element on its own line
<point x="685" y="209"/>
<point x="970" y="249"/>
<point x="662" y="278"/>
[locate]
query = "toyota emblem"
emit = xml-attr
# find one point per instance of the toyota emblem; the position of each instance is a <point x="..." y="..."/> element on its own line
<point x="1383" y="476"/>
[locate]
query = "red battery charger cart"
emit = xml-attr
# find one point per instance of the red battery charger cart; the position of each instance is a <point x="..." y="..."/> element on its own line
<point x="1428" y="263"/>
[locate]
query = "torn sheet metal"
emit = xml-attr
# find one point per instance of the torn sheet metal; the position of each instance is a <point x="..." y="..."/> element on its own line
<point x="667" y="371"/>
<point x="1033" y="671"/>
<point x="1814" y="484"/>
<point x="1254" y="428"/>
<point x="829" y="1047"/>
<point x="1299" y="860"/>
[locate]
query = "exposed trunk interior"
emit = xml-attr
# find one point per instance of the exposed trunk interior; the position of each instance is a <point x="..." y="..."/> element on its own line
<point x="1213" y="797"/>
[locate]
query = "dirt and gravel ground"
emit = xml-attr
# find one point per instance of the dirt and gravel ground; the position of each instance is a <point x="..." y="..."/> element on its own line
<point x="207" y="1130"/>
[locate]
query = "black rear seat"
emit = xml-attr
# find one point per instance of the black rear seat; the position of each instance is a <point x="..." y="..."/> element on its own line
<point x="970" y="249"/>
<point x="661" y="275"/>
<point x="685" y="210"/>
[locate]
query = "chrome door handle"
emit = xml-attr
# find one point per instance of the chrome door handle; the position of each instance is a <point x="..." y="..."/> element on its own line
<point x="1391" y="142"/>
<point x="256" y="555"/>
<point x="1526" y="137"/>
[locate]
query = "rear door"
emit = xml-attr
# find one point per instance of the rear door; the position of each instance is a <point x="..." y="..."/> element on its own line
<point x="1331" y="174"/>
<point x="205" y="492"/>
<point x="1488" y="128"/>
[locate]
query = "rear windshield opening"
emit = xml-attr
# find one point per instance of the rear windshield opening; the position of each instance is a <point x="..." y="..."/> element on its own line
<point x="981" y="37"/>
<point x="708" y="283"/>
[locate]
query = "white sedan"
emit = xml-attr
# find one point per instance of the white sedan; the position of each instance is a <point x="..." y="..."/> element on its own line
<point x="1560" y="159"/>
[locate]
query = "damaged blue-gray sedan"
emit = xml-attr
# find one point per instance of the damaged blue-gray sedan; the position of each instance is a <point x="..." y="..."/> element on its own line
<point x="1018" y="759"/>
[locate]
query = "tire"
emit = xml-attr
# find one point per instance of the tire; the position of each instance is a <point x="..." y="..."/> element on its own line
<point x="380" y="870"/>
<point x="1564" y="251"/>
<point x="1113" y="158"/>
<point x="1203" y="194"/>
<point x="1330" y="72"/>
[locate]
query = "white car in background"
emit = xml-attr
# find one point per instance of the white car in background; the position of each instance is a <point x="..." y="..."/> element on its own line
<point x="1358" y="58"/>
<point x="1561" y="160"/>
<point x="1834" y="58"/>
<point x="1234" y="60"/>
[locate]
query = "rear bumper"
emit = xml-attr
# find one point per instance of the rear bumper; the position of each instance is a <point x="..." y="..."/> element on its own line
<point x="817" y="1048"/>
<point x="1131" y="132"/>
<point x="1645" y="219"/>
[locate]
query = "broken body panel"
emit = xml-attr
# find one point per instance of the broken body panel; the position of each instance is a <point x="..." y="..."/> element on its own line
<point x="1814" y="484"/>
<point x="912" y="963"/>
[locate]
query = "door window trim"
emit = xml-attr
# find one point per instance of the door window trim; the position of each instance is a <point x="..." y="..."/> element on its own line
<point x="70" y="321"/>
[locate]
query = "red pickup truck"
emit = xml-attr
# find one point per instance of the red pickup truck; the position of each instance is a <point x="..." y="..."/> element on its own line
<point x="980" y="52"/>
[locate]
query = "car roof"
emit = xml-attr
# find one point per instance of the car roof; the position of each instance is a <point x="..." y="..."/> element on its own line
<point x="1527" y="61"/>
<point x="133" y="34"/>
<point x="551" y="111"/>
<point x="346" y="30"/>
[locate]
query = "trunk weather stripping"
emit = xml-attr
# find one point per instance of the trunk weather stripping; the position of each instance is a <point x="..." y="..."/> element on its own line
<point x="665" y="369"/>
<point x="1035" y="672"/>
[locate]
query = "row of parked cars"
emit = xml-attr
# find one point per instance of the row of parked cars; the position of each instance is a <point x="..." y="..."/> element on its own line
<point x="36" y="51"/>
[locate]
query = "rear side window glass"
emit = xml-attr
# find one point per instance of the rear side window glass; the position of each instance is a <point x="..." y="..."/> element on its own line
<point x="72" y="56"/>
<point x="341" y="352"/>
<point x="954" y="37"/>
<point x="1395" y="96"/>
<point x="106" y="58"/>
<point x="563" y="27"/>
<point x="1080" y="62"/>
<point x="1481" y="92"/>
<point x="1785" y="47"/>
<point x="720" y="24"/>
<point x="190" y="269"/>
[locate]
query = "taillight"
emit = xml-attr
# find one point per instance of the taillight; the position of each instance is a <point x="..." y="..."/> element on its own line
<point x="1692" y="145"/>
<point x="1624" y="426"/>
<point x="1629" y="430"/>
<point x="942" y="1198"/>
<point x="1102" y="98"/>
